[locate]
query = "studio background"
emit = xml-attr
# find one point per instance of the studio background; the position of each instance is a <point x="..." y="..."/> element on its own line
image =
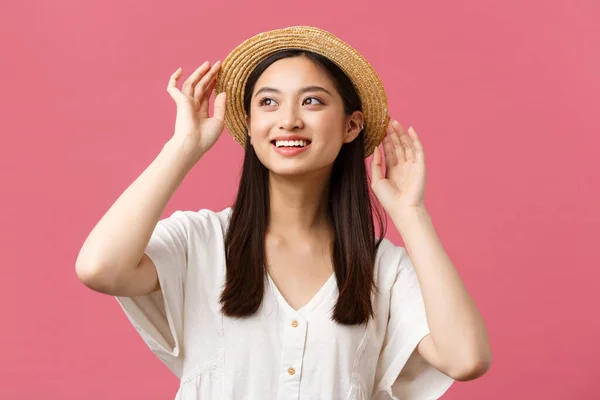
<point x="502" y="94"/>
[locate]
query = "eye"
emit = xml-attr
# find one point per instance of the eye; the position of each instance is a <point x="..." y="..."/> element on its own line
<point x="262" y="101"/>
<point x="313" y="98"/>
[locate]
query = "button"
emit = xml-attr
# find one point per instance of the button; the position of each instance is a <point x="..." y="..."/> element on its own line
<point x="291" y="371"/>
<point x="295" y="323"/>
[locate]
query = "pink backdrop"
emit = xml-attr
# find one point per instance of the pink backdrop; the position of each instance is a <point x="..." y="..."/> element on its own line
<point x="503" y="95"/>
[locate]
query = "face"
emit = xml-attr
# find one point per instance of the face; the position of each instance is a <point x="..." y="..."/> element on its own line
<point x="297" y="122"/>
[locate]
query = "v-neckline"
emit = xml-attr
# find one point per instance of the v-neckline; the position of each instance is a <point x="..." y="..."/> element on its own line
<point x="311" y="303"/>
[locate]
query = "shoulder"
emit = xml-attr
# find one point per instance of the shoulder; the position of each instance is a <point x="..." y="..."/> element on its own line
<point x="390" y="260"/>
<point x="203" y="247"/>
<point x="202" y="215"/>
<point x="202" y="222"/>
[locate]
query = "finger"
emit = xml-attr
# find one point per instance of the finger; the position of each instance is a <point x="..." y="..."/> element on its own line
<point x="201" y="86"/>
<point x="417" y="145"/>
<point x="398" y="146"/>
<point x="376" y="168"/>
<point x="390" y="154"/>
<point x="205" y="99"/>
<point x="406" y="143"/>
<point x="188" y="85"/>
<point x="219" y="109"/>
<point x="172" y="85"/>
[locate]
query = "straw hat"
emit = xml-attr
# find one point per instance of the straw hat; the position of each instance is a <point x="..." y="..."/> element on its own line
<point x="238" y="65"/>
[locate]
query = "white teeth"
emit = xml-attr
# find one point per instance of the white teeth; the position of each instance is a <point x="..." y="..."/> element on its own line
<point x="290" y="143"/>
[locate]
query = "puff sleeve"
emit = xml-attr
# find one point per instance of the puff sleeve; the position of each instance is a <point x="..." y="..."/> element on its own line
<point x="403" y="374"/>
<point x="158" y="317"/>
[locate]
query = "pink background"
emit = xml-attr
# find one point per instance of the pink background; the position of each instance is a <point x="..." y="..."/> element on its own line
<point x="503" y="95"/>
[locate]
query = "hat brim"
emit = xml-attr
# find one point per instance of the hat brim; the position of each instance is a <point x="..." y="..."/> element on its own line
<point x="238" y="65"/>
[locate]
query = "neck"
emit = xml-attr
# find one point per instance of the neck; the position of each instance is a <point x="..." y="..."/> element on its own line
<point x="298" y="205"/>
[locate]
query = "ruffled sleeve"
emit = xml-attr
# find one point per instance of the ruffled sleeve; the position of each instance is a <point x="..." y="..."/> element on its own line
<point x="158" y="317"/>
<point x="403" y="373"/>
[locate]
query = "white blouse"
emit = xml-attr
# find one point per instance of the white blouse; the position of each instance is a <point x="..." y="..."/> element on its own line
<point x="279" y="353"/>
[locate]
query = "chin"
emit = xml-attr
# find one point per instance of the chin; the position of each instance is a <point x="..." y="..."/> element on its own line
<point x="295" y="166"/>
<point x="290" y="170"/>
<point x="299" y="168"/>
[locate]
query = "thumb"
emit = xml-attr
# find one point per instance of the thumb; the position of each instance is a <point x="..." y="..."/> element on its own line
<point x="219" y="108"/>
<point x="376" y="170"/>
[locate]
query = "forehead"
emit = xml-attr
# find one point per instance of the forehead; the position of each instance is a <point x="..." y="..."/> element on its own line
<point x="291" y="73"/>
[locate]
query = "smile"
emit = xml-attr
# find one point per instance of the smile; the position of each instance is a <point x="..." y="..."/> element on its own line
<point x="291" y="143"/>
<point x="290" y="148"/>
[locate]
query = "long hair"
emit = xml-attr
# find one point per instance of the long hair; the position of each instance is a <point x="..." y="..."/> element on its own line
<point x="349" y="207"/>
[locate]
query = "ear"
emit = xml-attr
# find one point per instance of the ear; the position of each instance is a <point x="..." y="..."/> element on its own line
<point x="354" y="124"/>
<point x="248" y="127"/>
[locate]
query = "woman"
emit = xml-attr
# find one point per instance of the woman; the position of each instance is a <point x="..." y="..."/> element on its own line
<point x="289" y="294"/>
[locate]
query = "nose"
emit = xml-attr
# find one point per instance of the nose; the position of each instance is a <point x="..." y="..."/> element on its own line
<point x="289" y="118"/>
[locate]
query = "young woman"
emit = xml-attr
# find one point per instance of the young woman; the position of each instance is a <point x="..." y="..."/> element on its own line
<point x="290" y="293"/>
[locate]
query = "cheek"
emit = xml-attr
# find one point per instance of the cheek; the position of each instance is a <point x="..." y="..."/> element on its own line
<point x="330" y="138"/>
<point x="261" y="145"/>
<point x="330" y="152"/>
<point x="258" y="133"/>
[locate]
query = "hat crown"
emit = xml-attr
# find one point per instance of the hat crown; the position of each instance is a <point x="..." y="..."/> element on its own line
<point x="238" y="65"/>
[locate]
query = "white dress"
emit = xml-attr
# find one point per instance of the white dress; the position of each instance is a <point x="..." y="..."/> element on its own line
<point x="279" y="353"/>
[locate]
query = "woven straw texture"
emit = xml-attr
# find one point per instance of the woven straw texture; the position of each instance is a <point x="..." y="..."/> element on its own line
<point x="238" y="65"/>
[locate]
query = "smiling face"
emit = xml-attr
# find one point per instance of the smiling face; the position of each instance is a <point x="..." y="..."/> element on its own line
<point x="297" y="123"/>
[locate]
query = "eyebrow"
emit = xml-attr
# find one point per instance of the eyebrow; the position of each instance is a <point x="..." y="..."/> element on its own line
<point x="301" y="90"/>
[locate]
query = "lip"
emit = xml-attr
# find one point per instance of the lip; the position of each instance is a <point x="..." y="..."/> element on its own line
<point x="290" y="137"/>
<point x="290" y="151"/>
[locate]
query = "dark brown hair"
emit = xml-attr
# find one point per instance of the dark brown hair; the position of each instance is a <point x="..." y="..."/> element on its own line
<point x="350" y="213"/>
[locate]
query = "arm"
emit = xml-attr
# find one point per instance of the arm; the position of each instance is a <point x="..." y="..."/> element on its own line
<point x="458" y="344"/>
<point x="109" y="257"/>
<point x="112" y="259"/>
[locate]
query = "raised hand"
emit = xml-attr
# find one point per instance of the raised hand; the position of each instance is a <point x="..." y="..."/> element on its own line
<point x="194" y="130"/>
<point x="403" y="185"/>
